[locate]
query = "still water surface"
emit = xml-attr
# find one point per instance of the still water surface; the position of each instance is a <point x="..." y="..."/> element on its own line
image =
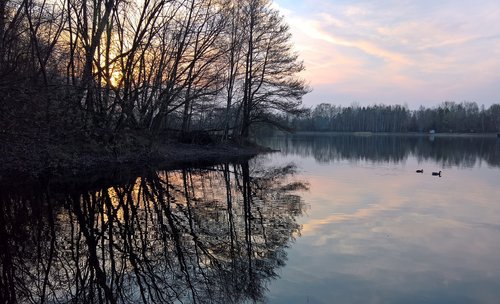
<point x="329" y="219"/>
<point x="375" y="231"/>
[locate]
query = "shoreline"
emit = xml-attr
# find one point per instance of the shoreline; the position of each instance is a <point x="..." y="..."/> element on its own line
<point x="165" y="156"/>
<point x="416" y="134"/>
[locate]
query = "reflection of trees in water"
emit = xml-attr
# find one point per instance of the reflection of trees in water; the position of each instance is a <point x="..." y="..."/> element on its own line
<point x="457" y="151"/>
<point x="212" y="235"/>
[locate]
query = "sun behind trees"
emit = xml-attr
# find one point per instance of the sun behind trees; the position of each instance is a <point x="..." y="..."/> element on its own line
<point x="96" y="70"/>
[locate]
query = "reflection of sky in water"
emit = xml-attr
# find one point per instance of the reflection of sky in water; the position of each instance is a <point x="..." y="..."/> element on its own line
<point x="377" y="232"/>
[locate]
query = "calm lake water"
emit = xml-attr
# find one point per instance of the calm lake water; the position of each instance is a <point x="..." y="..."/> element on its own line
<point x="329" y="219"/>
<point x="375" y="231"/>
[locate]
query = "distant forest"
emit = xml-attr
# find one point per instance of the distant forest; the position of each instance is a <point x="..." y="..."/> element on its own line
<point x="465" y="117"/>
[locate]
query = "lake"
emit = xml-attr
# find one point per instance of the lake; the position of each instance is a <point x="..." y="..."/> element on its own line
<point x="331" y="218"/>
<point x="375" y="231"/>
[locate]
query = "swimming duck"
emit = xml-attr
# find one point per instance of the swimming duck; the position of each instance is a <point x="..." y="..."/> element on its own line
<point x="420" y="171"/>
<point x="436" y="173"/>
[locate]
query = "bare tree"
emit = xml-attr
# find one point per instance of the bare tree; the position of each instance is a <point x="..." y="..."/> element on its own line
<point x="96" y="72"/>
<point x="234" y="58"/>
<point x="271" y="80"/>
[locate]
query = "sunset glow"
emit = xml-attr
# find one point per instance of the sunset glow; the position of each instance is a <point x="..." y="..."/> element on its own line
<point x="396" y="52"/>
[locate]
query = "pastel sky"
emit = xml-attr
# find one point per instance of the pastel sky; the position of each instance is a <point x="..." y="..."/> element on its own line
<point x="419" y="52"/>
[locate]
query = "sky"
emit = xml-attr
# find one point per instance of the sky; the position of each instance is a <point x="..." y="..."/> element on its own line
<point x="420" y="52"/>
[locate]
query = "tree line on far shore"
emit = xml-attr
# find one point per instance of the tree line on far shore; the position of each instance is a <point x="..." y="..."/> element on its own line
<point x="452" y="117"/>
<point x="162" y="68"/>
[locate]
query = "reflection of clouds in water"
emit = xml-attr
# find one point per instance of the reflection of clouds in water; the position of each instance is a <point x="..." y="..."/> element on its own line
<point x="378" y="232"/>
<point x="398" y="235"/>
<point x="355" y="196"/>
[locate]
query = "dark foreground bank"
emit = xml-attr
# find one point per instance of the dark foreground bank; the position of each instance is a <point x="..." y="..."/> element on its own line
<point x="63" y="160"/>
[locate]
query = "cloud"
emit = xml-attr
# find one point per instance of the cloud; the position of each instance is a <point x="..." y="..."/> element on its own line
<point x="393" y="51"/>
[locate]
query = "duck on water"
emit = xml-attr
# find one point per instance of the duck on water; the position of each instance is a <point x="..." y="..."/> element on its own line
<point x="436" y="173"/>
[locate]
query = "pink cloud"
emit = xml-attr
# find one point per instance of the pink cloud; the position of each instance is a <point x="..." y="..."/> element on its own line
<point x="367" y="53"/>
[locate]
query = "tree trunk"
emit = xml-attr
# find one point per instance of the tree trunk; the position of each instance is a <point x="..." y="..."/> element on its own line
<point x="3" y="3"/>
